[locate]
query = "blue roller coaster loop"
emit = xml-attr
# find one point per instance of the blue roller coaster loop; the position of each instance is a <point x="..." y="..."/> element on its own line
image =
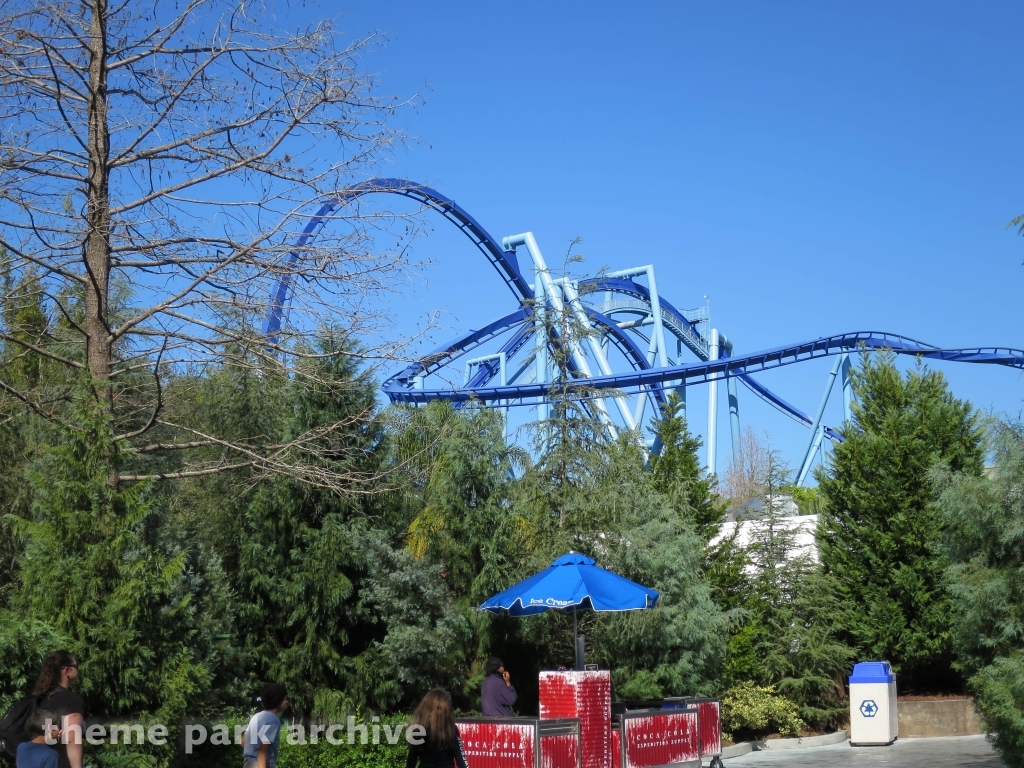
<point x="646" y="379"/>
<point x="504" y="261"/>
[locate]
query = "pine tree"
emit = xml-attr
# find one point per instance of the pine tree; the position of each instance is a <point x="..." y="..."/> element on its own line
<point x="879" y="533"/>
<point x="679" y="647"/>
<point x="300" y="555"/>
<point x="315" y="571"/>
<point x="94" y="571"/>
<point x="458" y="468"/>
<point x="789" y="640"/>
<point x="22" y="317"/>
<point x="679" y="476"/>
<point x="571" y="446"/>
<point x="984" y="541"/>
<point x="678" y="472"/>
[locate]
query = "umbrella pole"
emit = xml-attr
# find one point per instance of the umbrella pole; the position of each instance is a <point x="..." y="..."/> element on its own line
<point x="575" y="641"/>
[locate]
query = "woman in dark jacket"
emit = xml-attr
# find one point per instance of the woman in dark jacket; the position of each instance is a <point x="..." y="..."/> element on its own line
<point x="442" y="747"/>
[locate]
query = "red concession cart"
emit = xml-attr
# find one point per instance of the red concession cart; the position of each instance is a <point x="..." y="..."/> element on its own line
<point x="577" y="729"/>
<point x="657" y="737"/>
<point x="586" y="696"/>
<point x="520" y="742"/>
<point x="710" y="725"/>
<point x="708" y="734"/>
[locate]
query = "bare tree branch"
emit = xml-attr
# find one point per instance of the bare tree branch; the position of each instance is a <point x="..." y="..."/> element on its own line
<point x="158" y="165"/>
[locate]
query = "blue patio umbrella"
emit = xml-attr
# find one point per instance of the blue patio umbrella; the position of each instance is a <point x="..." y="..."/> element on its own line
<point x="571" y="582"/>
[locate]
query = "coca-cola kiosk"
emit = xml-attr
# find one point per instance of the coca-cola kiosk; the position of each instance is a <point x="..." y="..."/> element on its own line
<point x="652" y="734"/>
<point x="587" y="697"/>
<point x="577" y="729"/>
<point x="520" y="742"/>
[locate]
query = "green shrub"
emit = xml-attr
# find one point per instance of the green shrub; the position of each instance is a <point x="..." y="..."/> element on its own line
<point x="752" y="712"/>
<point x="326" y="755"/>
<point x="24" y="643"/>
<point x="323" y="754"/>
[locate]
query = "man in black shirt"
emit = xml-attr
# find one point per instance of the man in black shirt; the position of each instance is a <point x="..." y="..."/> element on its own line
<point x="60" y="670"/>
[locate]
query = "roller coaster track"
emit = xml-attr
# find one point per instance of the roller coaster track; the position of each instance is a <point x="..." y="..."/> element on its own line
<point x="407" y="386"/>
<point x="705" y="371"/>
<point x="504" y="261"/>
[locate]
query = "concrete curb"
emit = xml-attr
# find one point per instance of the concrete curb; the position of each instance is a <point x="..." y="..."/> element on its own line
<point x="745" y="747"/>
<point x="811" y="741"/>
<point x="736" y="750"/>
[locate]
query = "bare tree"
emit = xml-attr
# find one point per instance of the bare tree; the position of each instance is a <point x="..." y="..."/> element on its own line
<point x="746" y="479"/>
<point x="158" y="164"/>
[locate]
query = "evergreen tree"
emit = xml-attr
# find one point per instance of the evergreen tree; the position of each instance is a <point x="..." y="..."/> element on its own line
<point x="297" y="559"/>
<point x="22" y="317"/>
<point x="790" y="638"/>
<point x="421" y="635"/>
<point x="984" y="541"/>
<point x="678" y="472"/>
<point x="679" y="647"/>
<point x="571" y="446"/>
<point x="679" y="476"/>
<point x="93" y="571"/>
<point x="313" y="566"/>
<point x="879" y="533"/>
<point x="458" y="469"/>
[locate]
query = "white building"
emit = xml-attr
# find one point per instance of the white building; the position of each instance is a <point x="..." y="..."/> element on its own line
<point x="748" y="518"/>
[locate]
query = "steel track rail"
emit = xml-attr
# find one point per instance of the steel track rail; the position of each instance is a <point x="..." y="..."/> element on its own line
<point x="702" y="372"/>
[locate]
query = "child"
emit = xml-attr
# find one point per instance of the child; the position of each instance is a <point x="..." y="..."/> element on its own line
<point x="41" y="729"/>
<point x="262" y="735"/>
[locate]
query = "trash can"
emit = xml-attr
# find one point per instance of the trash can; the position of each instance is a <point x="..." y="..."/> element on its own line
<point x="873" y="719"/>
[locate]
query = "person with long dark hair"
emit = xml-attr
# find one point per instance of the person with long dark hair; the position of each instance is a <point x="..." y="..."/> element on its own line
<point x="441" y="747"/>
<point x="60" y="671"/>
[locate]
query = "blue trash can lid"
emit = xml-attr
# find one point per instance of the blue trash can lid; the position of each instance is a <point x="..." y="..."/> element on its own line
<point x="872" y="672"/>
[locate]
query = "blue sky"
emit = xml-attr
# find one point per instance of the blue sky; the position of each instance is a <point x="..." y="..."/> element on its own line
<point x="813" y="168"/>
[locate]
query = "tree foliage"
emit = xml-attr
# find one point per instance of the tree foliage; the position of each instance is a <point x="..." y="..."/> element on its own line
<point x="790" y="639"/>
<point x="679" y="473"/>
<point x="984" y="543"/>
<point x="95" y="572"/>
<point x="879" y="534"/>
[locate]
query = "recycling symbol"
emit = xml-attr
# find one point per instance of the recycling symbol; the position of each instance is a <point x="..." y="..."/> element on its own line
<point x="868" y="708"/>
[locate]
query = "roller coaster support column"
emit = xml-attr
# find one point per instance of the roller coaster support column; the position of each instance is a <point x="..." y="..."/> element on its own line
<point x="681" y="389"/>
<point x="657" y="349"/>
<point x="814" y="441"/>
<point x="712" y="403"/>
<point x="847" y="388"/>
<point x="573" y="297"/>
<point x="555" y="296"/>
<point x="658" y="337"/>
<point x="502" y="377"/>
<point x="734" y="403"/>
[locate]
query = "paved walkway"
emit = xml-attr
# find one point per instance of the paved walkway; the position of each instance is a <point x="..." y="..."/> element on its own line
<point x="958" y="752"/>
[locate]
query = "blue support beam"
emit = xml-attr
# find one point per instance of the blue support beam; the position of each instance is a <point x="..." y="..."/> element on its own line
<point x="847" y="389"/>
<point x="814" y="441"/>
